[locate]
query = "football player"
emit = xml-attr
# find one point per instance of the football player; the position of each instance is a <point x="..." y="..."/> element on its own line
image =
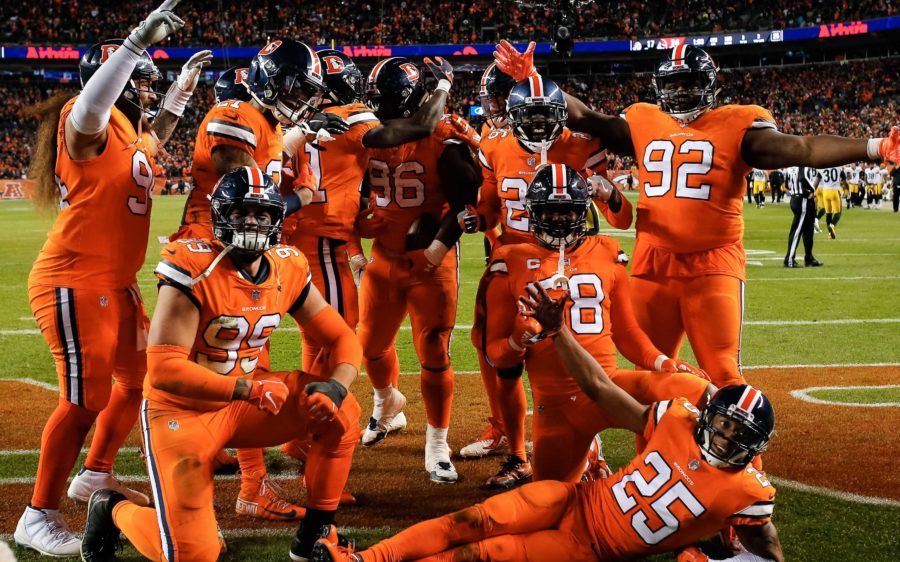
<point x="565" y="422"/>
<point x="417" y="190"/>
<point x="94" y="162"/>
<point x="283" y="86"/>
<point x="830" y="184"/>
<point x="219" y="301"/>
<point x="689" y="262"/>
<point x="855" y="177"/>
<point x="696" y="458"/>
<point x="509" y="157"/>
<point x="759" y="187"/>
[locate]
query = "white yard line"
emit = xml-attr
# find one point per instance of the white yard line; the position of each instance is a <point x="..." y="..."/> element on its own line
<point x="836" y="494"/>
<point x="803" y="395"/>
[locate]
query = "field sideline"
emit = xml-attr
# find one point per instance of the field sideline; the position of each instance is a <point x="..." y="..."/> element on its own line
<point x="822" y="342"/>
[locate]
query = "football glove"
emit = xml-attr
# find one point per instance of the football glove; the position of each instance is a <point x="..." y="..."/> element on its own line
<point x="332" y="123"/>
<point x="468" y="220"/>
<point x="368" y="224"/>
<point x="889" y="147"/>
<point x="268" y="395"/>
<point x="157" y="26"/>
<point x="543" y="308"/>
<point x="190" y="72"/>
<point x="455" y="129"/>
<point x="513" y="63"/>
<point x="324" y="399"/>
<point x="358" y="264"/>
<point x="526" y="332"/>
<point x="440" y="69"/>
<point x="692" y="554"/>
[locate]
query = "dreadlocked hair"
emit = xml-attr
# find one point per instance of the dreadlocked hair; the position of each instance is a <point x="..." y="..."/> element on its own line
<point x="43" y="164"/>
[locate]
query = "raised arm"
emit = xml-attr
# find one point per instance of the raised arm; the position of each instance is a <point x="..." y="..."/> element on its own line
<point x="612" y="130"/>
<point x="768" y="149"/>
<point x="179" y="94"/>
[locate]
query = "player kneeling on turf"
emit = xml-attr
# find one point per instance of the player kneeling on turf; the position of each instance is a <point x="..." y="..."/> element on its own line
<point x="219" y="300"/>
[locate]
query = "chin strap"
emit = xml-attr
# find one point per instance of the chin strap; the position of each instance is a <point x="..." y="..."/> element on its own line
<point x="208" y="271"/>
<point x="560" y="281"/>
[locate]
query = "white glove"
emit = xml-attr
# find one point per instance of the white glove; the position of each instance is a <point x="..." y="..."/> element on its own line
<point x="358" y="264"/>
<point x="190" y="72"/>
<point x="159" y="24"/>
<point x="601" y="188"/>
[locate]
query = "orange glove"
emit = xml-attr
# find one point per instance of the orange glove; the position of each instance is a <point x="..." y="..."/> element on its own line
<point x="666" y="365"/>
<point x="268" y="395"/>
<point x="454" y="127"/>
<point x="304" y="178"/>
<point x="324" y="399"/>
<point x="889" y="147"/>
<point x="513" y="63"/>
<point x="692" y="554"/>
<point x="368" y="224"/>
<point x="524" y="330"/>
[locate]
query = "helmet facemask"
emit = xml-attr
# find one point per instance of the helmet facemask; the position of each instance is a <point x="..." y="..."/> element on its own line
<point x="735" y="449"/>
<point x="685" y="94"/>
<point x="494" y="110"/>
<point x="538" y="123"/>
<point x="232" y="227"/>
<point x="556" y="224"/>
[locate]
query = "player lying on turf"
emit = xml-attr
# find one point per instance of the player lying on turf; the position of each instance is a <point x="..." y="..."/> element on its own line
<point x="692" y="479"/>
<point x="219" y="301"/>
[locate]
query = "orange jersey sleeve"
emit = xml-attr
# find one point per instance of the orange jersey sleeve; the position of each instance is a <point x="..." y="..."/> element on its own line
<point x="339" y="169"/>
<point x="405" y="184"/>
<point x="628" y="337"/>
<point x="669" y="496"/>
<point x="691" y="177"/>
<point x="109" y="194"/>
<point x="499" y="311"/>
<point x="238" y="125"/>
<point x="489" y="206"/>
<point x="237" y="314"/>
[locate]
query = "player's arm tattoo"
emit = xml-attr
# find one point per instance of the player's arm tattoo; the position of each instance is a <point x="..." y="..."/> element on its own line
<point x="226" y="158"/>
<point x="164" y="125"/>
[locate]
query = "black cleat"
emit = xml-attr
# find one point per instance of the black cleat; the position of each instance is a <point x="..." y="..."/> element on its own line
<point x="328" y="533"/>
<point x="101" y="536"/>
<point x="814" y="263"/>
<point x="792" y="263"/>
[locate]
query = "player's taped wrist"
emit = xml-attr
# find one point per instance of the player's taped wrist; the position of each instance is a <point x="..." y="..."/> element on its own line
<point x="331" y="331"/>
<point x="872" y="148"/>
<point x="335" y="391"/>
<point x="443" y="85"/>
<point x="658" y="363"/>
<point x="176" y="100"/>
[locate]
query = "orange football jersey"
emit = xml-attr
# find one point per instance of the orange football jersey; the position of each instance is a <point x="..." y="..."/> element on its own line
<point x="669" y="496"/>
<point x="405" y="184"/>
<point x="507" y="169"/>
<point x="597" y="311"/>
<point x="340" y="169"/>
<point x="240" y="125"/>
<point x="237" y="315"/>
<point x="99" y="238"/>
<point x="691" y="177"/>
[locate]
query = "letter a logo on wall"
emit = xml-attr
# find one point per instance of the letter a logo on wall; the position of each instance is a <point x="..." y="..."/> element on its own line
<point x="411" y="71"/>
<point x="270" y="48"/>
<point x="333" y="64"/>
<point x="12" y="190"/>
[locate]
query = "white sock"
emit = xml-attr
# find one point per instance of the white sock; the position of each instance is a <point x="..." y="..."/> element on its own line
<point x="436" y="439"/>
<point x="381" y="394"/>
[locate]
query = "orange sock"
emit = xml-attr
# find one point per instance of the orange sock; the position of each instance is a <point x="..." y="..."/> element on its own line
<point x="491" y="387"/>
<point x="113" y="426"/>
<point x="140" y="526"/>
<point x="437" y="393"/>
<point x="420" y="540"/>
<point x="61" y="441"/>
<point x="513" y="407"/>
<point x="383" y="371"/>
<point x="252" y="469"/>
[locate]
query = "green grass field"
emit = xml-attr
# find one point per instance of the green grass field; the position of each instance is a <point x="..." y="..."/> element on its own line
<point x="847" y="312"/>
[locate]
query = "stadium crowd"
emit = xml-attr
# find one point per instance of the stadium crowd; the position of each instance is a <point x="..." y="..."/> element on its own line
<point x="364" y="22"/>
<point x="817" y="99"/>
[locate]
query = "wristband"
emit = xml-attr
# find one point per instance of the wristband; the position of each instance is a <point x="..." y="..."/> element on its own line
<point x="660" y="359"/>
<point x="872" y="149"/>
<point x="443" y="85"/>
<point x="176" y="100"/>
<point x="515" y="347"/>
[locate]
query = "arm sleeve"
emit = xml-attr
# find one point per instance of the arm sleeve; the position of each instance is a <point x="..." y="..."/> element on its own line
<point x="170" y="370"/>
<point x="488" y="197"/>
<point x="630" y="340"/>
<point x="91" y="111"/>
<point x="620" y="219"/>
<point x="500" y="312"/>
<point x="331" y="331"/>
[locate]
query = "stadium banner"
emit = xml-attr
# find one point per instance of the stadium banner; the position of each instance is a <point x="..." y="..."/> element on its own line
<point x="841" y="29"/>
<point x="16" y="190"/>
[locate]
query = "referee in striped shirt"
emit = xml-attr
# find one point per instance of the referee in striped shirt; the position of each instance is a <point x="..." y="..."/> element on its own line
<point x="801" y="183"/>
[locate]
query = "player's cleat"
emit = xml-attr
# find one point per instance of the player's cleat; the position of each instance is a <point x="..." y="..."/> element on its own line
<point x="513" y="471"/>
<point x="266" y="503"/>
<point x="101" y="536"/>
<point x="491" y="442"/>
<point x="327" y="534"/>
<point x="831" y="231"/>
<point x="816" y="228"/>
<point x="45" y="531"/>
<point x="86" y="482"/>
<point x="692" y="554"/>
<point x="437" y="463"/>
<point x="813" y="263"/>
<point x="391" y="418"/>
<point x="595" y="467"/>
<point x="327" y="551"/>
<point x="792" y="263"/>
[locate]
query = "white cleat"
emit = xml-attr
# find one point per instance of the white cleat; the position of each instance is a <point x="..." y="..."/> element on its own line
<point x="491" y="442"/>
<point x="391" y="419"/>
<point x="86" y="482"/>
<point x="440" y="468"/>
<point x="45" y="531"/>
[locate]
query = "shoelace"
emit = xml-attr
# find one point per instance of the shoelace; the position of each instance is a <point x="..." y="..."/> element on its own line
<point x="273" y="492"/>
<point x="58" y="528"/>
<point x="510" y="465"/>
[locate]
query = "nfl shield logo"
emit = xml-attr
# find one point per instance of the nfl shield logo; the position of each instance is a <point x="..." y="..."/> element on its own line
<point x="173" y="425"/>
<point x="255" y="294"/>
<point x="694" y="464"/>
<point x="104" y="301"/>
<point x="532" y="161"/>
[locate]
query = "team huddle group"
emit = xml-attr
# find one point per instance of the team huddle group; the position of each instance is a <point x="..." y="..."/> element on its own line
<point x="300" y="158"/>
